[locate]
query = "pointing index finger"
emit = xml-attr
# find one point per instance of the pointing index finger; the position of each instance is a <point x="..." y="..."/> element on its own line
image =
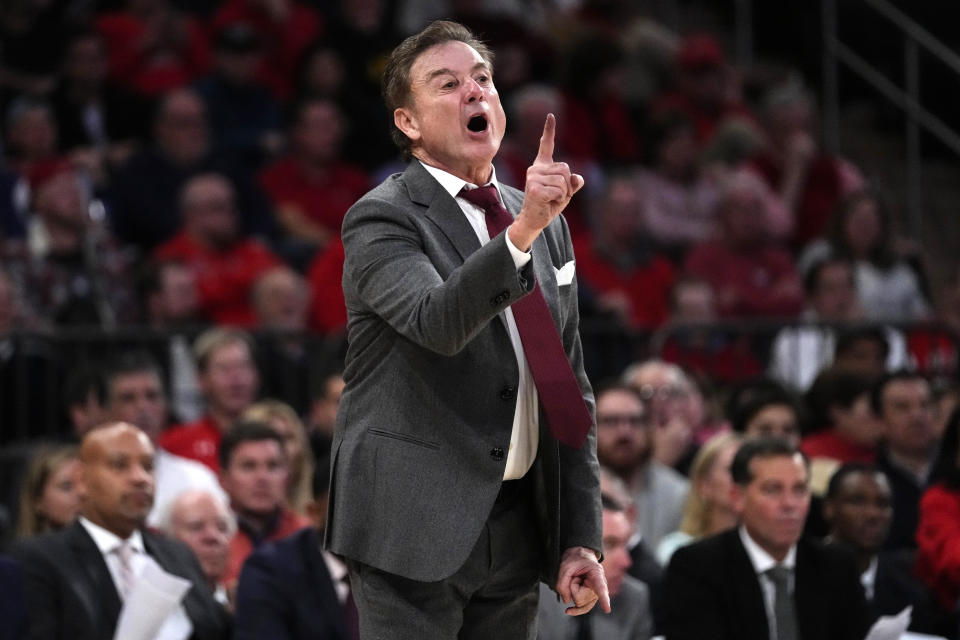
<point x="545" y="153"/>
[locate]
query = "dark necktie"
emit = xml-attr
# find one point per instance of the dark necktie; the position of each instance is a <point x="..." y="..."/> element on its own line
<point x="783" y="607"/>
<point x="350" y="615"/>
<point x="560" y="393"/>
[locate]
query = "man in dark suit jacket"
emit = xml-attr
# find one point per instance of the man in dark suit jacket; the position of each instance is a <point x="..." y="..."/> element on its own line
<point x="451" y="494"/>
<point x="74" y="578"/>
<point x="728" y="586"/>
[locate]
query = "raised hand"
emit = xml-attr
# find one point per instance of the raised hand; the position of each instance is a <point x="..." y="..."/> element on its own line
<point x="550" y="185"/>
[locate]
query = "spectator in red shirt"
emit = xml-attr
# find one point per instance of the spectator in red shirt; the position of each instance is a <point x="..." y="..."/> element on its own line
<point x="312" y="187"/>
<point x="751" y="276"/>
<point x="226" y="264"/>
<point x="328" y="310"/>
<point x="810" y="181"/>
<point x="255" y="474"/>
<point x="229" y="381"/>
<point x="153" y="47"/>
<point x="626" y="278"/>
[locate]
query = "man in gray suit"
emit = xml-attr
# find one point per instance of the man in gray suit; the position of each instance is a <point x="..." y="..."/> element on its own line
<point x="630" y="618"/>
<point x="461" y="477"/>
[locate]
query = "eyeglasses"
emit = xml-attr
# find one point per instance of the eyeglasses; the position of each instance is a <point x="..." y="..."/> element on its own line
<point x="670" y="392"/>
<point x="613" y="420"/>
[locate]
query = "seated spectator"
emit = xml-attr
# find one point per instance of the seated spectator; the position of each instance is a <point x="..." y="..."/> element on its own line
<point x="84" y="397"/>
<point x="705" y="87"/>
<point x="244" y="116"/>
<point x="225" y="263"/>
<point x="143" y="201"/>
<point x="49" y="496"/>
<point x="76" y="579"/>
<point x="284" y="420"/>
<point x="679" y="200"/>
<point x="98" y="121"/>
<point x="153" y="47"/>
<point x="708" y="509"/>
<point x="859" y="509"/>
<point x="31" y="139"/>
<point x="323" y="413"/>
<point x="890" y="281"/>
<point x="799" y="353"/>
<point x="810" y="181"/>
<point x="135" y="394"/>
<point x="751" y="276"/>
<point x="70" y="268"/>
<point x="903" y="402"/>
<point x="630" y="617"/>
<point x="624" y="445"/>
<point x="294" y="589"/>
<point x="312" y="186"/>
<point x="864" y="350"/>
<point x="845" y="427"/>
<point x="254" y="473"/>
<point x="287" y="28"/>
<point x="617" y="263"/>
<point x="281" y="301"/>
<point x="229" y="381"/>
<point x="770" y="411"/>
<point x="203" y="521"/>
<point x="691" y="340"/>
<point x="763" y="579"/>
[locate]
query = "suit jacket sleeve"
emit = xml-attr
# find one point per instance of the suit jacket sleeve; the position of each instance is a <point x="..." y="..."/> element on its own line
<point x="690" y="603"/>
<point x="264" y="608"/>
<point x="42" y="590"/>
<point x="396" y="280"/>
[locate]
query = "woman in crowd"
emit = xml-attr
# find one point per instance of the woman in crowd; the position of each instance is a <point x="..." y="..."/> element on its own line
<point x="708" y="509"/>
<point x="49" y="498"/>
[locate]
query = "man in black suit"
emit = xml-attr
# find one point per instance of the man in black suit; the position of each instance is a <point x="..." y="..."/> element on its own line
<point x="291" y="589"/>
<point x="75" y="579"/>
<point x="760" y="580"/>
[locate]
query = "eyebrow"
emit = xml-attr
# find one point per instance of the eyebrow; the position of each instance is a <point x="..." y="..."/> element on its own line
<point x="439" y="72"/>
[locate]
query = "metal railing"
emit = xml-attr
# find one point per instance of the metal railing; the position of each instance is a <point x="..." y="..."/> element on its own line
<point x="915" y="40"/>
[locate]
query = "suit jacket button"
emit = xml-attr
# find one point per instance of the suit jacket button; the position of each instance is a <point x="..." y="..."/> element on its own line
<point x="508" y="393"/>
<point x="496" y="453"/>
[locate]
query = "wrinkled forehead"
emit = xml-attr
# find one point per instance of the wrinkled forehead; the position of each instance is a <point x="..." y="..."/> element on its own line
<point x="452" y="56"/>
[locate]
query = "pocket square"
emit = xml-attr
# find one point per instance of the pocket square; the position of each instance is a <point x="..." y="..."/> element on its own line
<point x="565" y="274"/>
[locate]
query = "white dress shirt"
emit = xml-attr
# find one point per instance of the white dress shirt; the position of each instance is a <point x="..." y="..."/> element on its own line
<point x="762" y="562"/>
<point x="177" y="624"/>
<point x="524" y="438"/>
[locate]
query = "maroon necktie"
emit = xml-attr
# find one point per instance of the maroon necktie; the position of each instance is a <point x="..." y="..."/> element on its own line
<point x="560" y="394"/>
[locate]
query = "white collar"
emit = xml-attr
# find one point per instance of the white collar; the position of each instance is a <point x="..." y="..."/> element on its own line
<point x="336" y="567"/>
<point x="760" y="559"/>
<point x="454" y="185"/>
<point x="107" y="541"/>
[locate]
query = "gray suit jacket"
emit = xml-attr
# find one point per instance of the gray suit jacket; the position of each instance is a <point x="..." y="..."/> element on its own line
<point x="629" y="617"/>
<point x="431" y="379"/>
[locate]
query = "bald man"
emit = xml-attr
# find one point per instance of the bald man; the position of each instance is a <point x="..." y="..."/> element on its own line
<point x="75" y="580"/>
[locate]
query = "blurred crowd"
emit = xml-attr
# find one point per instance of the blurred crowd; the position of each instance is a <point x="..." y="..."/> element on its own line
<point x="182" y="169"/>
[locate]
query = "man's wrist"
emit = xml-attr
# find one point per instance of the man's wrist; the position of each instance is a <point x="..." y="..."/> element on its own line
<point x="582" y="552"/>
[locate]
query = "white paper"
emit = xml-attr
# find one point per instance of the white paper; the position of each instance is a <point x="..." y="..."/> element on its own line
<point x="155" y="596"/>
<point x="891" y="627"/>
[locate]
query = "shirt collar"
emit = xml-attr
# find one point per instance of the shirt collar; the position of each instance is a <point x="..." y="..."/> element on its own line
<point x="107" y="541"/>
<point x="760" y="559"/>
<point x="336" y="567"/>
<point x="454" y="185"/>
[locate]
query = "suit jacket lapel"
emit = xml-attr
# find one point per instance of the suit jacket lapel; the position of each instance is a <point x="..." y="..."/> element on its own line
<point x="442" y="209"/>
<point x="746" y="587"/>
<point x="97" y="589"/>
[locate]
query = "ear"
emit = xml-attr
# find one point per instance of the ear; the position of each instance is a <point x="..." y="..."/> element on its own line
<point x="829" y="511"/>
<point x="405" y="120"/>
<point x="737" y="498"/>
<point x="81" y="479"/>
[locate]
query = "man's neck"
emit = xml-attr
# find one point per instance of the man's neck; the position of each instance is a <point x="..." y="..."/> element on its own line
<point x="917" y="464"/>
<point x="478" y="175"/>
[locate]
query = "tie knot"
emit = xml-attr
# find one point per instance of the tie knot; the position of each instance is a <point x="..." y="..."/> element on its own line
<point x="483" y="197"/>
<point x="779" y="574"/>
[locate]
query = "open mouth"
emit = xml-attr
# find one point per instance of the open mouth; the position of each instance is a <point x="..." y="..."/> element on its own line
<point x="477" y="123"/>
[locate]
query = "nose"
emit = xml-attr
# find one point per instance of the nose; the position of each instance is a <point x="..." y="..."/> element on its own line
<point x="141" y="475"/>
<point x="474" y="90"/>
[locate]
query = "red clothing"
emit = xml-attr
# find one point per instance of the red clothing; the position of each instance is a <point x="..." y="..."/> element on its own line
<point x="224" y="278"/>
<point x="152" y="71"/>
<point x="747" y="283"/>
<point x="935" y="351"/>
<point x="822" y="191"/>
<point x="283" y="43"/>
<point x="938" y="544"/>
<point x="242" y="544"/>
<point x="830" y="444"/>
<point x="198" y="441"/>
<point x="704" y="122"/>
<point x="328" y="310"/>
<point x="325" y="201"/>
<point x="647" y="285"/>
<point x="718" y="356"/>
<point x="601" y="130"/>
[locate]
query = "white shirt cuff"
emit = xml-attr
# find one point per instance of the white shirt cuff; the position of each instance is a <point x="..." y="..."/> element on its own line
<point x="520" y="258"/>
